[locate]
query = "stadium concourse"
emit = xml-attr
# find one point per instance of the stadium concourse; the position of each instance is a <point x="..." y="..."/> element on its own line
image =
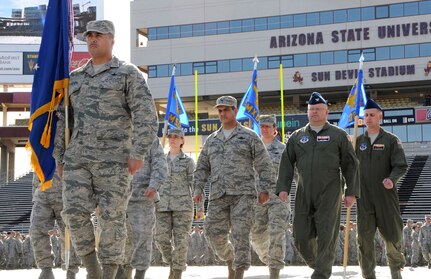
<point x="255" y="272"/>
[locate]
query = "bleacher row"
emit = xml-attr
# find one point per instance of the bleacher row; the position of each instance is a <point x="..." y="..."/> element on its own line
<point x="414" y="191"/>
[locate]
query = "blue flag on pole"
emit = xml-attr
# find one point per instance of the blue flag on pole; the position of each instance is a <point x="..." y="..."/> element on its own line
<point x="175" y="113"/>
<point x="51" y="78"/>
<point x="355" y="102"/>
<point x="248" y="108"/>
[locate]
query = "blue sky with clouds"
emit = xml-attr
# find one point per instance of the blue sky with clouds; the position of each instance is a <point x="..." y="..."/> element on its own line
<point x="8" y="5"/>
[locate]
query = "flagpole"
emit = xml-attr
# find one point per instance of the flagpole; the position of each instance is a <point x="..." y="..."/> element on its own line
<point x="66" y="140"/>
<point x="165" y="127"/>
<point x="282" y="103"/>
<point x="355" y="135"/>
<point x="255" y="62"/>
<point x="196" y="116"/>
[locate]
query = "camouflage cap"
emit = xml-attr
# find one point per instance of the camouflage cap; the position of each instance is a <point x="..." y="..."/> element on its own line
<point x="100" y="26"/>
<point x="176" y="131"/>
<point x="427" y="216"/>
<point x="227" y="101"/>
<point x="267" y="120"/>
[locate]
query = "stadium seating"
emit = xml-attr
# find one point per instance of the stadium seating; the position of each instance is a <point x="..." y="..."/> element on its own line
<point x="16" y="204"/>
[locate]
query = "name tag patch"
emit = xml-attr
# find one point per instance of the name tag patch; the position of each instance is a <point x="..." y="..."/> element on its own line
<point x="378" y="146"/>
<point x="323" y="138"/>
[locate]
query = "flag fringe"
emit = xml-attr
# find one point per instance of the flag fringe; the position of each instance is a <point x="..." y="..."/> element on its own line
<point x="34" y="162"/>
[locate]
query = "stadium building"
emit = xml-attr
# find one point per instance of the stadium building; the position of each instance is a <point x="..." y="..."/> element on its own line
<point x="317" y="42"/>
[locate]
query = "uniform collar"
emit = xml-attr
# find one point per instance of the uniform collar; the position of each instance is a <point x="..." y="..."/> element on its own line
<point x="113" y="63"/>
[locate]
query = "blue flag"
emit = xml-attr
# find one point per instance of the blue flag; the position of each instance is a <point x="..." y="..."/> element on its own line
<point x="51" y="78"/>
<point x="355" y="102"/>
<point x="248" y="108"/>
<point x="175" y="113"/>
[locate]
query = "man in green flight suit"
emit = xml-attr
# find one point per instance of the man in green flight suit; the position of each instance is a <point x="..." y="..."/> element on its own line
<point x="319" y="151"/>
<point x="382" y="164"/>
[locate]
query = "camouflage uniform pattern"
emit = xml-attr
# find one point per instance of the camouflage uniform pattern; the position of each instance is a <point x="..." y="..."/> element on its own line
<point x="195" y="248"/>
<point x="27" y="254"/>
<point x="2" y="255"/>
<point x="407" y="243"/>
<point x="55" y="245"/>
<point x="416" y="248"/>
<point x="114" y="120"/>
<point x="268" y="234"/>
<point x="233" y="163"/>
<point x="380" y="250"/>
<point x="46" y="211"/>
<point x="425" y="242"/>
<point x="353" y="250"/>
<point x="174" y="211"/>
<point x="290" y="251"/>
<point x="13" y="252"/>
<point x="141" y="210"/>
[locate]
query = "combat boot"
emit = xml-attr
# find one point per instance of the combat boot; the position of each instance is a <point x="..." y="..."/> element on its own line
<point x="429" y="265"/>
<point x="110" y="271"/>
<point x="239" y="273"/>
<point x="230" y="270"/>
<point x="128" y="270"/>
<point x="92" y="265"/>
<point x="46" y="273"/>
<point x="171" y="273"/>
<point x="121" y="274"/>
<point x="396" y="273"/>
<point x="140" y="274"/>
<point x="177" y="273"/>
<point x="274" y="273"/>
<point x="70" y="275"/>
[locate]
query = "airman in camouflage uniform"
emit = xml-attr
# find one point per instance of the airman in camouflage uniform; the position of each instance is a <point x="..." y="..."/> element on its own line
<point x="407" y="241"/>
<point x="233" y="156"/>
<point x="174" y="211"/>
<point x="141" y="209"/>
<point x="113" y="124"/>
<point x="416" y="247"/>
<point x="425" y="240"/>
<point x="379" y="247"/>
<point x="195" y="247"/>
<point x="46" y="211"/>
<point x="27" y="253"/>
<point x="339" y="248"/>
<point x="382" y="164"/>
<point x="268" y="234"/>
<point x="2" y="251"/>
<point x="353" y="248"/>
<point x="290" y="250"/>
<point x="55" y="246"/>
<point x="13" y="251"/>
<point x="318" y="151"/>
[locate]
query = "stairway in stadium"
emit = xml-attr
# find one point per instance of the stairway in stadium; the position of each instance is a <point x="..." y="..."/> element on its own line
<point x="15" y="204"/>
<point x="415" y="189"/>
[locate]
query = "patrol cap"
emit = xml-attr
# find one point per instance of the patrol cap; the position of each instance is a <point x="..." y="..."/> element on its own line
<point x="267" y="120"/>
<point x="316" y="98"/>
<point x="176" y="131"/>
<point x="427" y="216"/>
<point x="227" y="101"/>
<point x="371" y="104"/>
<point x="100" y="26"/>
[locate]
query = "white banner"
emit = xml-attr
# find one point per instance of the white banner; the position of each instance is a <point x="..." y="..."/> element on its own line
<point x="10" y="63"/>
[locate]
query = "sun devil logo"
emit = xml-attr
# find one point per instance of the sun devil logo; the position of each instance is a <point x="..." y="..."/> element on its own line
<point x="297" y="77"/>
<point x="428" y="68"/>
